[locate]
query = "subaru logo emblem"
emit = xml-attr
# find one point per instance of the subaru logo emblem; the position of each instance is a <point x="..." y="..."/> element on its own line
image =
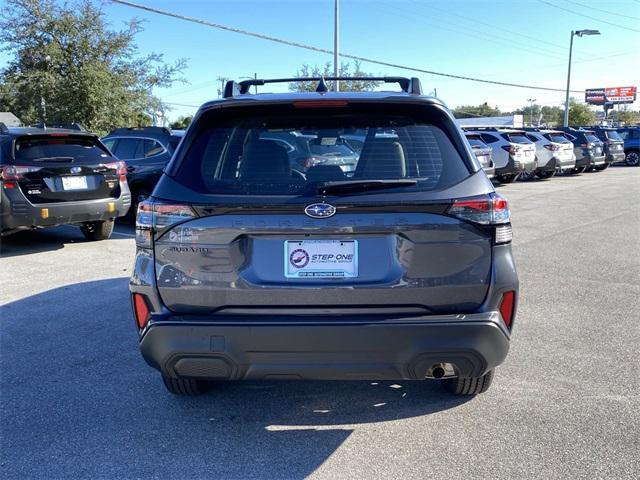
<point x="76" y="169"/>
<point x="320" y="210"/>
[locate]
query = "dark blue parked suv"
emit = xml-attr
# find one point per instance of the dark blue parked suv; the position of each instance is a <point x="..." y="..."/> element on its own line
<point x="400" y="268"/>
<point x="631" y="137"/>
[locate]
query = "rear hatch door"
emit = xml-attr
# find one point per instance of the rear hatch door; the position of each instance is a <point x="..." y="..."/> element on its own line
<point x="263" y="238"/>
<point x="62" y="167"/>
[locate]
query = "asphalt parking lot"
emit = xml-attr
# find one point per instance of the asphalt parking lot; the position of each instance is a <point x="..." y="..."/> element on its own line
<point x="78" y="401"/>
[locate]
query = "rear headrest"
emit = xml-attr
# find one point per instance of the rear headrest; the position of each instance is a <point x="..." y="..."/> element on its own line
<point x="265" y="160"/>
<point x="325" y="173"/>
<point x="382" y="158"/>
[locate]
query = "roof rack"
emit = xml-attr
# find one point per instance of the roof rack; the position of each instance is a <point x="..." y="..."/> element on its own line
<point x="233" y="88"/>
<point x="3" y="128"/>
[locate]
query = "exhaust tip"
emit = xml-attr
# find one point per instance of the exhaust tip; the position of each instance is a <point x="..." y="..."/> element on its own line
<point x="441" y="370"/>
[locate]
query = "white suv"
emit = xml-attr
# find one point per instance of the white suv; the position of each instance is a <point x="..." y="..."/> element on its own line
<point x="513" y="152"/>
<point x="554" y="152"/>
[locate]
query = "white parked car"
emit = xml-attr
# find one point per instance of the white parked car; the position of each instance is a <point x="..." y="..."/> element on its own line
<point x="554" y="152"/>
<point x="513" y="152"/>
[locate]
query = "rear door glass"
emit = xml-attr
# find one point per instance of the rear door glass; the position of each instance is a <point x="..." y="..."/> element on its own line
<point x="80" y="150"/>
<point x="244" y="156"/>
<point x="127" y="148"/>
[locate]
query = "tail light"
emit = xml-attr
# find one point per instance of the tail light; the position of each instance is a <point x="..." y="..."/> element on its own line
<point x="586" y="145"/>
<point x="11" y="174"/>
<point x="552" y="147"/>
<point x="309" y="162"/>
<point x="506" y="307"/>
<point x="120" y="167"/>
<point x="154" y="216"/>
<point x="512" y="149"/>
<point x="488" y="210"/>
<point x="141" y="310"/>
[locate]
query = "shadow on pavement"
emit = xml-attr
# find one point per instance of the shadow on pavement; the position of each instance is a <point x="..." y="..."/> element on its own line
<point x="49" y="239"/>
<point x="79" y="401"/>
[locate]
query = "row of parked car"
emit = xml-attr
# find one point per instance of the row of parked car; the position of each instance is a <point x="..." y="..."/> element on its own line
<point x="120" y="170"/>
<point x="507" y="154"/>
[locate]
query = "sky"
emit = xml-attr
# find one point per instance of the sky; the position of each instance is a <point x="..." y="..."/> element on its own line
<point x="519" y="41"/>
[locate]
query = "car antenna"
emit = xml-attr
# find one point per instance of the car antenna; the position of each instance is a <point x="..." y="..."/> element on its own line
<point x="322" y="86"/>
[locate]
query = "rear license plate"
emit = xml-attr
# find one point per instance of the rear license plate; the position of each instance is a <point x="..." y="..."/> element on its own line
<point x="320" y="258"/>
<point x="74" y="183"/>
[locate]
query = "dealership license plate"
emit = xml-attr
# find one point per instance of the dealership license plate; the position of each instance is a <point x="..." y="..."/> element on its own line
<point x="320" y="258"/>
<point x="74" y="183"/>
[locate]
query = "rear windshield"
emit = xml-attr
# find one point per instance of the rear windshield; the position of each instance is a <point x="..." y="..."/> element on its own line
<point x="516" y="138"/>
<point x="612" y="135"/>
<point x="591" y="137"/>
<point x="474" y="141"/>
<point x="76" y="149"/>
<point x="556" y="137"/>
<point x="297" y="151"/>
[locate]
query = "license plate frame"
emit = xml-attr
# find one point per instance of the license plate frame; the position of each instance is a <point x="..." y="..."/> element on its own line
<point x="310" y="259"/>
<point x="74" y="183"/>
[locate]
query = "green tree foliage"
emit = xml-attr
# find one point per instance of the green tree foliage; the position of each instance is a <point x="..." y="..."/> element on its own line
<point x="544" y="115"/>
<point x="182" y="122"/>
<point x="327" y="71"/>
<point x="580" y="113"/>
<point x="472" y="111"/>
<point x="626" y="115"/>
<point x="69" y="66"/>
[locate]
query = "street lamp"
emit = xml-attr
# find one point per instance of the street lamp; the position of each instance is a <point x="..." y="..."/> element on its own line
<point x="531" y="100"/>
<point x="579" y="33"/>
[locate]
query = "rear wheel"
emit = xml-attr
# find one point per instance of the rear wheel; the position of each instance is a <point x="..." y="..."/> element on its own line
<point x="507" y="178"/>
<point x="599" y="168"/>
<point x="471" y="385"/>
<point x="186" y="386"/>
<point x="632" y="158"/>
<point x="545" y="175"/>
<point x="94" y="231"/>
<point x="578" y="170"/>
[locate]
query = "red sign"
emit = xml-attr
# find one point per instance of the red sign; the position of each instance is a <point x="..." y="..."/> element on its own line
<point x="620" y="94"/>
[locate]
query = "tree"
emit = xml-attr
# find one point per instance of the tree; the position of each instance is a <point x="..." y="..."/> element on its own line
<point x="182" y="122"/>
<point x="626" y="115"/>
<point x="327" y="71"/>
<point x="68" y="66"/>
<point x="580" y="113"/>
<point x="472" y="111"/>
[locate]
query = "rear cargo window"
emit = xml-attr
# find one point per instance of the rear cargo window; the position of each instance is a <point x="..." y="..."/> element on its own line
<point x="556" y="137"/>
<point x="76" y="149"/>
<point x="474" y="141"/>
<point x="516" y="138"/>
<point x="591" y="137"/>
<point x="294" y="154"/>
<point x="613" y="135"/>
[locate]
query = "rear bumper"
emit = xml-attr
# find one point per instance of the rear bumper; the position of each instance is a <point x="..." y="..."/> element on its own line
<point x="615" y="157"/>
<point x="401" y="348"/>
<point x="17" y="212"/>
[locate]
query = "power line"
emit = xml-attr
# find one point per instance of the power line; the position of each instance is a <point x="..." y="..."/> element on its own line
<point x="324" y="50"/>
<point x="587" y="16"/>
<point x="603" y="11"/>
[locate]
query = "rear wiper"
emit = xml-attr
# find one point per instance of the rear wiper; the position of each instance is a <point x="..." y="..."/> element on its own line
<point x="363" y="185"/>
<point x="54" y="159"/>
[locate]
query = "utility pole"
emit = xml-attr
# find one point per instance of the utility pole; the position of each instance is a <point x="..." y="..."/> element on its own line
<point x="531" y="100"/>
<point x="336" y="33"/>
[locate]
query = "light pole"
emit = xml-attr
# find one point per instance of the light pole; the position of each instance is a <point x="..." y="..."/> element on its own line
<point x="336" y="69"/>
<point x="531" y="100"/>
<point x="579" y="33"/>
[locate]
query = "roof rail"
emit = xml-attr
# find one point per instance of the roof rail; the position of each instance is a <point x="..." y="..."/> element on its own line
<point x="232" y="88"/>
<point x="3" y="128"/>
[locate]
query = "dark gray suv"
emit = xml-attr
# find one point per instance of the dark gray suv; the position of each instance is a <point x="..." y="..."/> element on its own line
<point x="249" y="269"/>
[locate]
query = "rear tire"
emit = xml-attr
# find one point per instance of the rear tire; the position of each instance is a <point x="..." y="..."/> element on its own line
<point x="94" y="231"/>
<point x="546" y="175"/>
<point x="578" y="170"/>
<point x="185" y="386"/>
<point x="632" y="158"/>
<point x="507" y="178"/>
<point x="470" y="386"/>
<point x="600" y="168"/>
